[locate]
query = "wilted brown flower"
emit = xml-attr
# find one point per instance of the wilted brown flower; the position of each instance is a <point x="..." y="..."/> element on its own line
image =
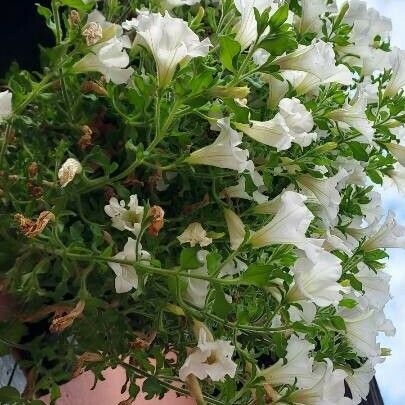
<point x="187" y="209"/>
<point x="86" y="139"/>
<point x="34" y="190"/>
<point x="143" y="340"/>
<point x="32" y="169"/>
<point x="61" y="322"/>
<point x="93" y="87"/>
<point x="31" y="228"/>
<point x="74" y="17"/>
<point x="87" y="357"/>
<point x="157" y="213"/>
<point x="92" y="32"/>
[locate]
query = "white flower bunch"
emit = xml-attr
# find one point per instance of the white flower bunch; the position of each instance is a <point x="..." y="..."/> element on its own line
<point x="209" y="172"/>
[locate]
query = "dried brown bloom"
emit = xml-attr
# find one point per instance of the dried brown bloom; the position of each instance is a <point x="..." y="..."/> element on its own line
<point x="93" y="87"/>
<point x="35" y="191"/>
<point x="109" y="192"/>
<point x="143" y="340"/>
<point x="33" y="169"/>
<point x="87" y="357"/>
<point x="92" y="32"/>
<point x="31" y="228"/>
<point x="63" y="320"/>
<point x="157" y="213"/>
<point x="131" y="181"/>
<point x="74" y="17"/>
<point x="86" y="139"/>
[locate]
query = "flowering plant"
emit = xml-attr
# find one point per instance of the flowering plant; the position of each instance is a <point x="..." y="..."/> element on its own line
<point x="187" y="191"/>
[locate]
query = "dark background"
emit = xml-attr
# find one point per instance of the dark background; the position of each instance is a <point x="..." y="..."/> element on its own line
<point x="21" y="30"/>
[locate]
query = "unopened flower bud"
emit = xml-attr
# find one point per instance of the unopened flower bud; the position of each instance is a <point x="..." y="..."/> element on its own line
<point x="229" y="92"/>
<point x="86" y="139"/>
<point x="32" y="169"/>
<point x="74" y="17"/>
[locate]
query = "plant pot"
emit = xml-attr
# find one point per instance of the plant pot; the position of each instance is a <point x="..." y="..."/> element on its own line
<point x="108" y="392"/>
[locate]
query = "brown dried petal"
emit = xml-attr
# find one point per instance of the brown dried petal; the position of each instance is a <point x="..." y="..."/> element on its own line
<point x="93" y="87"/>
<point x="60" y="323"/>
<point x="157" y="213"/>
<point x="87" y="357"/>
<point x="31" y="228"/>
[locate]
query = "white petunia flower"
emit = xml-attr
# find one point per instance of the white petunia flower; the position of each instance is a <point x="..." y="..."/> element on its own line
<point x="109" y="59"/>
<point x="397" y="82"/>
<point x="396" y="177"/>
<point x="292" y="124"/>
<point x="317" y="281"/>
<point x="237" y="191"/>
<point x="211" y="358"/>
<point x="171" y="42"/>
<point x="317" y="59"/>
<point x="324" y="192"/>
<point x="390" y="235"/>
<point x="195" y="234"/>
<point x="197" y="289"/>
<point x="297" y="368"/>
<point x="224" y="151"/>
<point x="236" y="229"/>
<point x="354" y="115"/>
<point x="6" y="108"/>
<point x="289" y="226"/>
<point x="397" y="149"/>
<point x="124" y="218"/>
<point x="361" y="330"/>
<point x="359" y="381"/>
<point x="329" y="388"/>
<point x="312" y="10"/>
<point x="126" y="278"/>
<point x="68" y="171"/>
<point x="246" y="28"/>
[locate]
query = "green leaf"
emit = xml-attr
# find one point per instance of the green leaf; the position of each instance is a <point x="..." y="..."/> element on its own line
<point x="9" y="395"/>
<point x="188" y="259"/>
<point x="229" y="50"/>
<point x="279" y="17"/>
<point x="257" y="274"/>
<point x="78" y="4"/>
<point x="213" y="262"/>
<point x="277" y="44"/>
<point x="221" y="306"/>
<point x="47" y="14"/>
<point x="348" y="303"/>
<point x="359" y="151"/>
<point x="338" y="322"/>
<point x="152" y="387"/>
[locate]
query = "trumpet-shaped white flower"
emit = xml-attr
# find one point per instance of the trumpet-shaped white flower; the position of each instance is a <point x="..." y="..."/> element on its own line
<point x="390" y="235"/>
<point x="246" y="28"/>
<point x="197" y="289"/>
<point x="292" y="124"/>
<point x="354" y="115"/>
<point x="367" y="23"/>
<point x="359" y="381"/>
<point x="324" y="192"/>
<point x="312" y="10"/>
<point x="329" y="388"/>
<point x="68" y="171"/>
<point x="398" y="149"/>
<point x="317" y="281"/>
<point x="224" y="152"/>
<point x="317" y="59"/>
<point x="297" y="368"/>
<point x="289" y="226"/>
<point x="171" y="42"/>
<point x="396" y="177"/>
<point x="6" y="108"/>
<point x="236" y="229"/>
<point x="211" y="358"/>
<point x="397" y="82"/>
<point x="109" y="59"/>
<point x="376" y="286"/>
<point x="237" y="191"/>
<point x="361" y="330"/>
<point x="126" y="277"/>
<point x="124" y="218"/>
<point x="195" y="234"/>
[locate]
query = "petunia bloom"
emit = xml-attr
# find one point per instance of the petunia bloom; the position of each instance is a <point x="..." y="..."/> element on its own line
<point x="195" y="234"/>
<point x="236" y="229"/>
<point x="126" y="277"/>
<point x="211" y="358"/>
<point x="317" y="281"/>
<point x="224" y="151"/>
<point x="171" y="42"/>
<point x="125" y="218"/>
